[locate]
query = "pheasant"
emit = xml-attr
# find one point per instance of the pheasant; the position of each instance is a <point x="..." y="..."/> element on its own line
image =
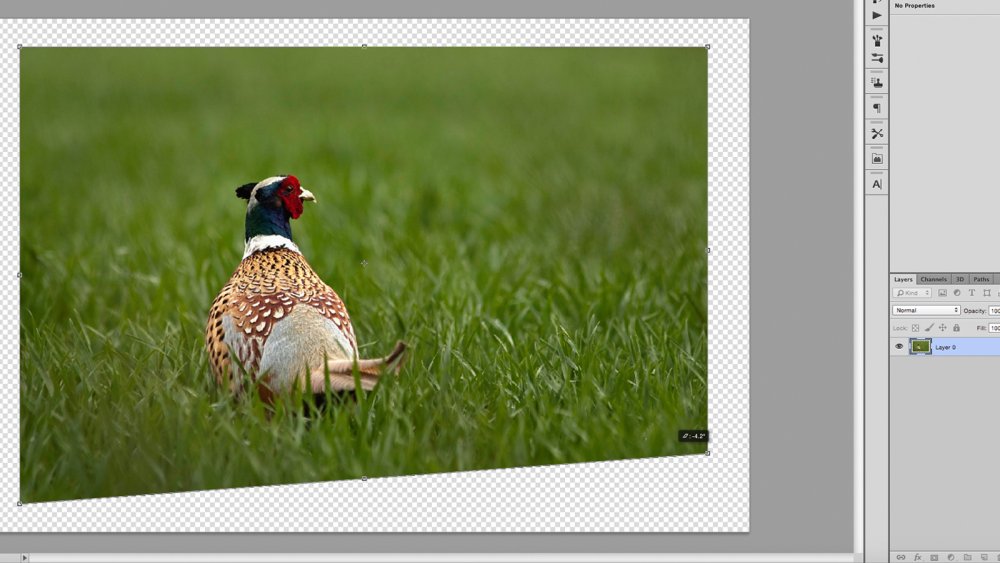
<point x="275" y="321"/>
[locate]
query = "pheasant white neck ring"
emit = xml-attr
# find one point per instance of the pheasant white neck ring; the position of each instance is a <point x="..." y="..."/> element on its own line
<point x="263" y="242"/>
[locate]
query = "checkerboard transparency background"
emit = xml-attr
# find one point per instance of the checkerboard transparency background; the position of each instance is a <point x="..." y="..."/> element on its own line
<point x="674" y="494"/>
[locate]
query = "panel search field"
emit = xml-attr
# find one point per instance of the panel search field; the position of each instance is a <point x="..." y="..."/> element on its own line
<point x="911" y="293"/>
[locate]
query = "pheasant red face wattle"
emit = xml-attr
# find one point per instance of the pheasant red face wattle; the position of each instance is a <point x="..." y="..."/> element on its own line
<point x="290" y="194"/>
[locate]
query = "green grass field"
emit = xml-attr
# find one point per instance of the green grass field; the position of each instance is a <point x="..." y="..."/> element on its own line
<point x="531" y="221"/>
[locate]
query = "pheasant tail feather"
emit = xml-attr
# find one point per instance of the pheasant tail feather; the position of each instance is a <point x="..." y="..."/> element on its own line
<point x="341" y="372"/>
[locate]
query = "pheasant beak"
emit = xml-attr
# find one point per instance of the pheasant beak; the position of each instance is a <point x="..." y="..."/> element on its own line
<point x="307" y="195"/>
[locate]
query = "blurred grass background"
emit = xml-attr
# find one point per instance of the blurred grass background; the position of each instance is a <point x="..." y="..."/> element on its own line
<point x="531" y="221"/>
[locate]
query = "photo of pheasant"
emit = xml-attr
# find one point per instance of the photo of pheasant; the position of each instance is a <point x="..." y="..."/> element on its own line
<point x="531" y="222"/>
<point x="275" y="318"/>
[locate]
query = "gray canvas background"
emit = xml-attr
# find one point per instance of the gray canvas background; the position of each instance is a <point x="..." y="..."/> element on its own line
<point x="801" y="223"/>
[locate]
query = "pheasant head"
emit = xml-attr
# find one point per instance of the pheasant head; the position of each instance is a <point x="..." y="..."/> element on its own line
<point x="271" y="204"/>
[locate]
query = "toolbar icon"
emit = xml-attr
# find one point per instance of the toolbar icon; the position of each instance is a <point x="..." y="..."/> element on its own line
<point x="877" y="108"/>
<point x="877" y="133"/>
<point x="877" y="158"/>
<point x="878" y="57"/>
<point x="878" y="40"/>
